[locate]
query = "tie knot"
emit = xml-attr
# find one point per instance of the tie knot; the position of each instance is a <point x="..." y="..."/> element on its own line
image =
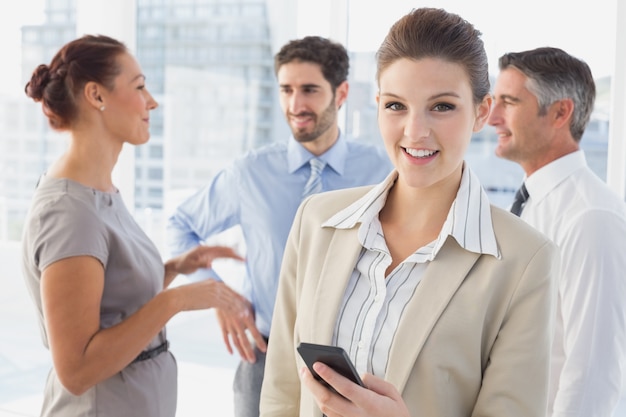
<point x="522" y="193"/>
<point x="314" y="184"/>
<point x="520" y="200"/>
<point x="317" y="165"/>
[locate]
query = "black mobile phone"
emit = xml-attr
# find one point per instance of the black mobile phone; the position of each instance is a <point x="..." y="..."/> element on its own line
<point x="333" y="356"/>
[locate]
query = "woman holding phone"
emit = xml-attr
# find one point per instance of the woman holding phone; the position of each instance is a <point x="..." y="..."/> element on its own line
<point x="443" y="302"/>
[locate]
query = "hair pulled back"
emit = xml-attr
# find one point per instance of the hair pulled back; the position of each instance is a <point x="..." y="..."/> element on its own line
<point x="435" y="33"/>
<point x="59" y="85"/>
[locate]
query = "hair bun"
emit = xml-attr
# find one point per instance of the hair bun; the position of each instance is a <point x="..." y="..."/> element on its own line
<point x="38" y="82"/>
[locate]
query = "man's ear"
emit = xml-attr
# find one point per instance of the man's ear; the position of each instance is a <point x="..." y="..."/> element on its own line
<point x="93" y="94"/>
<point x="341" y="94"/>
<point x="562" y="111"/>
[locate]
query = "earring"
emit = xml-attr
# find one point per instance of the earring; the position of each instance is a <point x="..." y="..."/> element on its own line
<point x="102" y="108"/>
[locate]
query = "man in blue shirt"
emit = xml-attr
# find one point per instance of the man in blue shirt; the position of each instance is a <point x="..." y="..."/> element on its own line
<point x="262" y="190"/>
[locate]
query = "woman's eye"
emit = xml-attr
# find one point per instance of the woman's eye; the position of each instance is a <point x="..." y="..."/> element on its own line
<point x="394" y="106"/>
<point x="443" y="107"/>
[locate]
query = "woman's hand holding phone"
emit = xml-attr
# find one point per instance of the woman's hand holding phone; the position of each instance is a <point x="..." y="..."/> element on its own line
<point x="333" y="356"/>
<point x="379" y="399"/>
<point x="338" y="389"/>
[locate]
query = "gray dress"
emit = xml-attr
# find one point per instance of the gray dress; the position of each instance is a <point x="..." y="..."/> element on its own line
<point x="68" y="219"/>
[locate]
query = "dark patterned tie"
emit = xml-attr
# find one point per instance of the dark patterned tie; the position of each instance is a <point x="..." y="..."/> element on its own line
<point x="520" y="200"/>
<point x="314" y="184"/>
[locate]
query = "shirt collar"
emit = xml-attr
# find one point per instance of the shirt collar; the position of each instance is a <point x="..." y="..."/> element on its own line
<point x="541" y="182"/>
<point x="335" y="157"/>
<point x="469" y="219"/>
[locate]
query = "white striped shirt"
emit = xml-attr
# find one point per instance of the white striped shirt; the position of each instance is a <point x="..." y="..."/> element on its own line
<point x="372" y="305"/>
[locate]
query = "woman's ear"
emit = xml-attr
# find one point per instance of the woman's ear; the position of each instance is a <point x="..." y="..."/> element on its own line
<point x="482" y="112"/>
<point x="93" y="95"/>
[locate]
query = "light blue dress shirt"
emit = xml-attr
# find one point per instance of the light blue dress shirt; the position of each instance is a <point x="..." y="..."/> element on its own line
<point x="261" y="192"/>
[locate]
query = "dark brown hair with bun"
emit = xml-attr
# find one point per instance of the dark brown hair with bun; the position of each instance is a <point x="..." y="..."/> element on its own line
<point x="58" y="85"/>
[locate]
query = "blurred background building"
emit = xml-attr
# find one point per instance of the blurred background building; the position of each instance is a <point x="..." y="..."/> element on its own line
<point x="209" y="64"/>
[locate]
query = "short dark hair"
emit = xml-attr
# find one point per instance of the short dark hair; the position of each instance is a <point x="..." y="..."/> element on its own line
<point x="435" y="33"/>
<point x="553" y="75"/>
<point x="332" y="57"/>
<point x="58" y="85"/>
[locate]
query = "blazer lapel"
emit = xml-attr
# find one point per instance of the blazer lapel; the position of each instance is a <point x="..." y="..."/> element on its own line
<point x="441" y="279"/>
<point x="337" y="267"/>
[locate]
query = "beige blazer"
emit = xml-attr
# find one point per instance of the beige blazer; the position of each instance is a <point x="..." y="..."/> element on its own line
<point x="474" y="340"/>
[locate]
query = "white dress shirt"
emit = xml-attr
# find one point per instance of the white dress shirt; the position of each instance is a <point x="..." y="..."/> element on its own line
<point x="372" y="304"/>
<point x="587" y="221"/>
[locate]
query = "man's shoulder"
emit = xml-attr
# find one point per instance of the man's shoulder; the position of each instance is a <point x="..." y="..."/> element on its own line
<point x="365" y="147"/>
<point x="262" y="153"/>
<point x="585" y="192"/>
<point x="509" y="227"/>
<point x="362" y="155"/>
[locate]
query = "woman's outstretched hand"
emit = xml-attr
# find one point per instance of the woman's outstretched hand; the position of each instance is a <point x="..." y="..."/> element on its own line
<point x="201" y="257"/>
<point x="207" y="293"/>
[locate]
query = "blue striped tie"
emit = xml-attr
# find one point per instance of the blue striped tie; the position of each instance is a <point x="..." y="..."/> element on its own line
<point x="314" y="184"/>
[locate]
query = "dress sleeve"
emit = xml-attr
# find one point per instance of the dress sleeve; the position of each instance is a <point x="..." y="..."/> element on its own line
<point x="68" y="227"/>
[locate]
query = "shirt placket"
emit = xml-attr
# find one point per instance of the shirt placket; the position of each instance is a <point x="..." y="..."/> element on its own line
<point x="376" y="301"/>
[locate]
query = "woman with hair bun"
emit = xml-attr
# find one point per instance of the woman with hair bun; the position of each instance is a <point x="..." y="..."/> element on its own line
<point x="99" y="285"/>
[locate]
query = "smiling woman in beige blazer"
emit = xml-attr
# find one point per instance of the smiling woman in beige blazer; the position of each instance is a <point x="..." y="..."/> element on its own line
<point x="443" y="302"/>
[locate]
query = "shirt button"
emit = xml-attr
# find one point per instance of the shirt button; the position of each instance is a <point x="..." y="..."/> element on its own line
<point x="361" y="344"/>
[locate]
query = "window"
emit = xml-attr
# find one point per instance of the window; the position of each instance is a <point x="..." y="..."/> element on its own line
<point x="157" y="175"/>
<point x="155" y="193"/>
<point x="210" y="66"/>
<point x="156" y="151"/>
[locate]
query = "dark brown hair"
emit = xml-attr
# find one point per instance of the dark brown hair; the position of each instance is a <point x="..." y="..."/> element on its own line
<point x="436" y="33"/>
<point x="331" y="56"/>
<point x="58" y="85"/>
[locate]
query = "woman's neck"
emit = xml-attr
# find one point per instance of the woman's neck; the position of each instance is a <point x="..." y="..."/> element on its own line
<point x="419" y="208"/>
<point x="89" y="161"/>
<point x="413" y="217"/>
